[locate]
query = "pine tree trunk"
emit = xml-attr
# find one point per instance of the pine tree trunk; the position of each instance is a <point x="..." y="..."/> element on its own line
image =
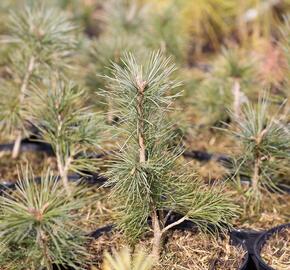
<point x="110" y="114"/>
<point x="256" y="174"/>
<point x="236" y="91"/>
<point x="141" y="139"/>
<point x="23" y="88"/>
<point x="63" y="170"/>
<point x="156" y="238"/>
<point x="17" y="145"/>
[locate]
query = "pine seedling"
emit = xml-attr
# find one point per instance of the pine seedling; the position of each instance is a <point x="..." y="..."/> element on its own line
<point x="39" y="225"/>
<point x="224" y="88"/>
<point x="124" y="260"/>
<point x="238" y="73"/>
<point x="265" y="144"/>
<point x="43" y="38"/>
<point x="65" y="122"/>
<point x="145" y="177"/>
<point x="212" y="100"/>
<point x="164" y="26"/>
<point x="123" y="16"/>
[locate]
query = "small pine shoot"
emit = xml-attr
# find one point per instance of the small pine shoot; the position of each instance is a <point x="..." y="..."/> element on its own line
<point x="39" y="225"/>
<point x="265" y="143"/>
<point x="124" y="16"/>
<point x="68" y="125"/>
<point x="145" y="176"/>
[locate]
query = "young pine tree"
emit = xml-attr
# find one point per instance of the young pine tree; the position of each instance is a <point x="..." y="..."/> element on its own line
<point x="265" y="145"/>
<point x="226" y="87"/>
<point x="145" y="176"/>
<point x="43" y="39"/>
<point x="39" y="225"/>
<point x="68" y="125"/>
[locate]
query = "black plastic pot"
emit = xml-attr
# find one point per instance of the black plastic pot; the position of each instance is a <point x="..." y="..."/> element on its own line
<point x="29" y="145"/>
<point x="246" y="263"/>
<point x="260" y="242"/>
<point x="206" y="156"/>
<point x="89" y="179"/>
<point x="33" y="144"/>
<point x="247" y="238"/>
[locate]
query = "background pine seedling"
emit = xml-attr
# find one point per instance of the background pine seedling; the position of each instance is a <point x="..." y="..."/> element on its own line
<point x="145" y="176"/>
<point x="285" y="44"/>
<point x="235" y="69"/>
<point x="107" y="48"/>
<point x="226" y="87"/>
<point x="68" y="125"/>
<point x="124" y="16"/>
<point x="212" y="101"/>
<point x="39" y="225"/>
<point x="265" y="144"/>
<point x="43" y="38"/>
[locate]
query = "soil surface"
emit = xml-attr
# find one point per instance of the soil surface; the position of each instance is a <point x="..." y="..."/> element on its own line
<point x="182" y="250"/>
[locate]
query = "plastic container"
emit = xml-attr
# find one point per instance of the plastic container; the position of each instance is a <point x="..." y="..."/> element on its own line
<point x="260" y="242"/>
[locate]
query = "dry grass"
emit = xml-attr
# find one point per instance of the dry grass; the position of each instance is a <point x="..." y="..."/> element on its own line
<point x="276" y="251"/>
<point x="38" y="161"/>
<point x="274" y="211"/>
<point x="183" y="250"/>
<point x="189" y="250"/>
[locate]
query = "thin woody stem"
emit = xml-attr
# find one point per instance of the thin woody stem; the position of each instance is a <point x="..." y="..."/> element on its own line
<point x="257" y="162"/>
<point x="17" y="144"/>
<point x="23" y="88"/>
<point x="236" y="91"/>
<point x="141" y="139"/>
<point x="256" y="174"/>
<point x="157" y="236"/>
<point x="63" y="169"/>
<point x="174" y="224"/>
<point x="42" y="239"/>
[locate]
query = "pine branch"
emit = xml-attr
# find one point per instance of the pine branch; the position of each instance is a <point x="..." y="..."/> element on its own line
<point x="179" y="221"/>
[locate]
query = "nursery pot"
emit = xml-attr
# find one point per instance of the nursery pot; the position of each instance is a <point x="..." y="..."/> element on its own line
<point x="260" y="242"/>
<point x="246" y="262"/>
<point x="246" y="239"/>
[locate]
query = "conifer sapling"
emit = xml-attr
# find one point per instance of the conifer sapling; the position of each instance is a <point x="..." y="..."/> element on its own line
<point x="145" y="176"/>
<point x="39" y="226"/>
<point x="265" y="143"/>
<point x="43" y="38"/>
<point x="68" y="125"/>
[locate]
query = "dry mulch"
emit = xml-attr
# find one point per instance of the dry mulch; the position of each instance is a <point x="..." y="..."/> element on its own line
<point x="276" y="251"/>
<point x="37" y="161"/>
<point x="183" y="250"/>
